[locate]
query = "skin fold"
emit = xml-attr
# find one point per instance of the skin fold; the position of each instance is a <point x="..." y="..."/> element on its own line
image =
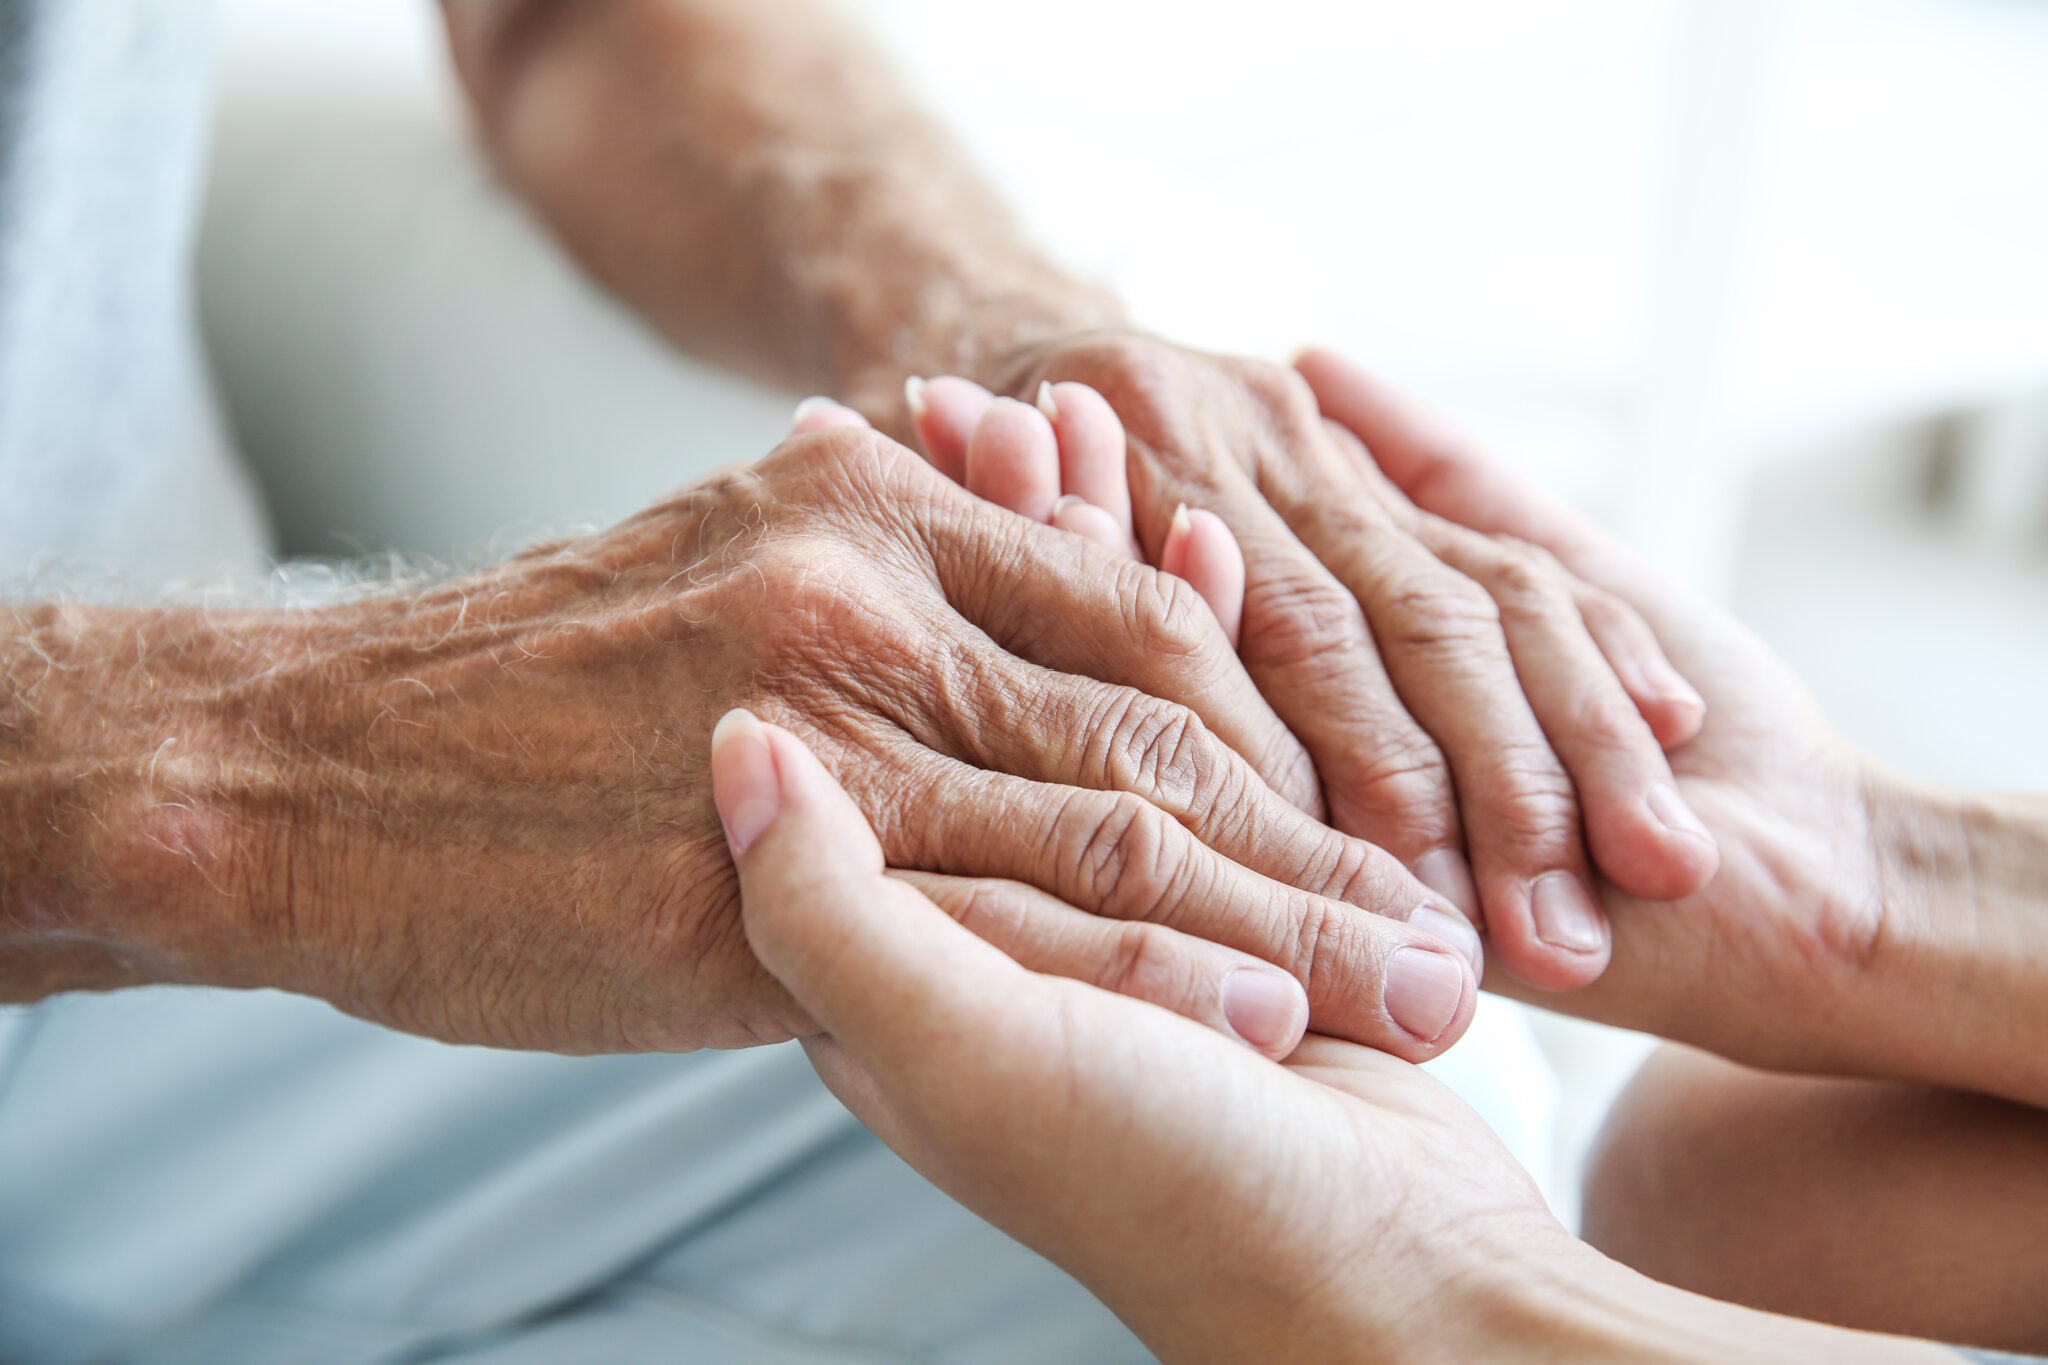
<point x="482" y="812"/>
<point x="478" y="811"/>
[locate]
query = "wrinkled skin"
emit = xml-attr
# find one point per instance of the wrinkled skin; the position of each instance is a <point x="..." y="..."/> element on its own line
<point x="1413" y="668"/>
<point x="1785" y="956"/>
<point x="484" y="813"/>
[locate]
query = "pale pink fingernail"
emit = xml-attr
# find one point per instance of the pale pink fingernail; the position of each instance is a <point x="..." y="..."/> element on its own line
<point x="1447" y="872"/>
<point x="913" y="397"/>
<point x="1173" y="554"/>
<point x="744" y="783"/>
<point x="811" y="406"/>
<point x="1047" y="404"/>
<point x="1565" y="914"/>
<point x="1424" y="991"/>
<point x="1455" y="930"/>
<point x="1265" y="1006"/>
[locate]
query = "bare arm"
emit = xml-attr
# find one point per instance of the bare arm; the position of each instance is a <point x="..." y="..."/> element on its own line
<point x="1970" y="873"/>
<point x="752" y="176"/>
<point x="1889" y="1207"/>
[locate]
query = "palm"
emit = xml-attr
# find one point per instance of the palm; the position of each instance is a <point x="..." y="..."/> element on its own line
<point x="1084" y="1099"/>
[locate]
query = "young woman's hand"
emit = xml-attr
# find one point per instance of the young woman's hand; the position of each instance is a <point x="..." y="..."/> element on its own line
<point x="1858" y="924"/>
<point x="1206" y="1193"/>
<point x="1341" y="1207"/>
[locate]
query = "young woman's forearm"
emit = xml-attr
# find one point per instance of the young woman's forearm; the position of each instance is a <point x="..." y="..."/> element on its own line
<point x="1967" y="965"/>
<point x="752" y="176"/>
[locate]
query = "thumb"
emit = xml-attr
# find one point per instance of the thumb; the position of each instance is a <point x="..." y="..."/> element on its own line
<point x="880" y="967"/>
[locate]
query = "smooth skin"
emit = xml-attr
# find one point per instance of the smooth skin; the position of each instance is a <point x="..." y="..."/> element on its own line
<point x="1888" y="935"/>
<point x="752" y="178"/>
<point x="1878" y="1204"/>
<point x="1341" y="1207"/>
<point x="1890" y="1205"/>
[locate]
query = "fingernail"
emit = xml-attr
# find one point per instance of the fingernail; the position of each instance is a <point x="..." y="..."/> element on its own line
<point x="1174" y="551"/>
<point x="913" y="397"/>
<point x="744" y="782"/>
<point x="1671" y="811"/>
<point x="815" y="403"/>
<point x="1424" y="990"/>
<point x="1565" y="914"/>
<point x="1046" y="403"/>
<point x="1264" y="1006"/>
<point x="1066" y="501"/>
<point x="1455" y="930"/>
<point x="1446" y="872"/>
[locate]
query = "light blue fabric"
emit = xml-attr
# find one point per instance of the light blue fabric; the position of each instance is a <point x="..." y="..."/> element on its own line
<point x="111" y="454"/>
<point x="214" y="1176"/>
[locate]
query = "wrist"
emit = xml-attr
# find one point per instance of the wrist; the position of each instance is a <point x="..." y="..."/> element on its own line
<point x="1548" y="1299"/>
<point x="129" y="858"/>
<point x="1964" y="972"/>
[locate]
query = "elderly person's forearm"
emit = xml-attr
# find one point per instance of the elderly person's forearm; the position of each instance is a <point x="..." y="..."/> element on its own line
<point x="481" y="811"/>
<point x="753" y="178"/>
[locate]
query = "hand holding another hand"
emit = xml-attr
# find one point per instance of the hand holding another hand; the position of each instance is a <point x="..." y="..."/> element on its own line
<point x="1344" y="1206"/>
<point x="482" y="811"/>
<point x="1467" y="703"/>
<point x="1860" y="924"/>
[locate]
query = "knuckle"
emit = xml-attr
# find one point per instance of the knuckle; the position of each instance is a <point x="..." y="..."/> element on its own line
<point x="1285" y="766"/>
<point x="1607" y="614"/>
<point x="1122" y="366"/>
<point x="1522" y="580"/>
<point x="1606" y="715"/>
<point x="1407" y="790"/>
<point x="1144" y="961"/>
<point x="1538" y="812"/>
<point x="852" y="466"/>
<point x="1299" y="619"/>
<point x="1327" y="944"/>
<point x="1123" y="856"/>
<point x="1163" y="748"/>
<point x="992" y="909"/>
<point x="1165" y="614"/>
<point x="816" y="589"/>
<point x="1349" y="870"/>
<point x="1431" y="610"/>
<point x="1280" y="388"/>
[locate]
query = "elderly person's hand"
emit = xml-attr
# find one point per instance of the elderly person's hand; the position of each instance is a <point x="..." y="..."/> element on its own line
<point x="483" y="812"/>
<point x="753" y="179"/>
<point x="1459" y="698"/>
<point x="1859" y="924"/>
<point x="1545" y="695"/>
<point x="1344" y="1207"/>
